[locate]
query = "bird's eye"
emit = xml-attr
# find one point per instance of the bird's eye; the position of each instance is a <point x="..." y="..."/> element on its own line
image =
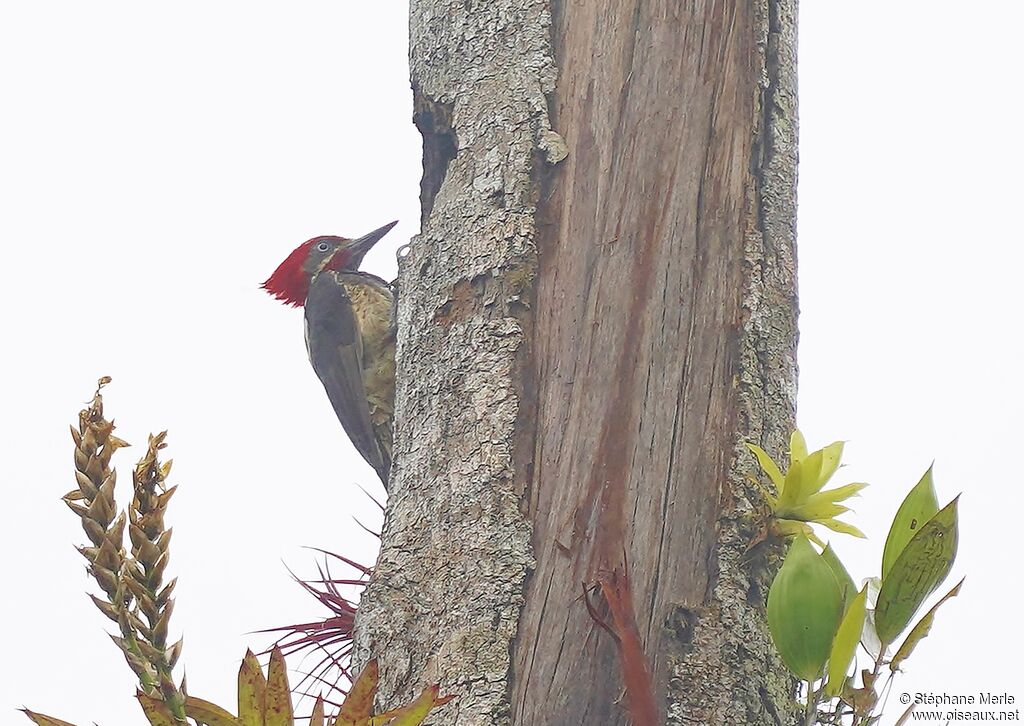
<point x="323" y="246"/>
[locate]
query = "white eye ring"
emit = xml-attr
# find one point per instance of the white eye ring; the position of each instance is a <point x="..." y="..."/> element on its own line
<point x="323" y="247"/>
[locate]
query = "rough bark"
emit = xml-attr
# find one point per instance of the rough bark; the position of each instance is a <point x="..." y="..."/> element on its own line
<point x="584" y="344"/>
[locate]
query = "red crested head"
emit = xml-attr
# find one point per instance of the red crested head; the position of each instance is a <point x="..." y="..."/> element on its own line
<point x="290" y="281"/>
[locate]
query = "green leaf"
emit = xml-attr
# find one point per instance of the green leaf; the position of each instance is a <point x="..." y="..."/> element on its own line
<point x="768" y="465"/>
<point x="804" y="608"/>
<point x="918" y="507"/>
<point x="921" y="630"/>
<point x="845" y="644"/>
<point x="920" y="568"/>
<point x="846" y="586"/>
<point x="797" y="446"/>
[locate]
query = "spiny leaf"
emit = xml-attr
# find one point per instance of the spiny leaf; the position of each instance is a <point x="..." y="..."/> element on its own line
<point x="44" y="720"/>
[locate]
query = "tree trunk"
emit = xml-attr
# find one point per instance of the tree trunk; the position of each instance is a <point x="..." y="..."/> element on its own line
<point x="590" y="325"/>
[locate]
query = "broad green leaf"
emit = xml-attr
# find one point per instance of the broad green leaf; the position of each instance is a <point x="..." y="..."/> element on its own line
<point x="278" y="709"/>
<point x="845" y="644"/>
<point x="846" y="585"/>
<point x="252" y="691"/>
<point x="921" y="630"/>
<point x="156" y="710"/>
<point x="44" y="720"/>
<point x="797" y="446"/>
<point x="920" y="568"/>
<point x="358" y="705"/>
<point x="208" y="713"/>
<point x="804" y="608"/>
<point x="767" y="464"/>
<point x="918" y="507"/>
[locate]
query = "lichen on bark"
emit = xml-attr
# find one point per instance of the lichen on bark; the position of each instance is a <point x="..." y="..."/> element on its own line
<point x="443" y="603"/>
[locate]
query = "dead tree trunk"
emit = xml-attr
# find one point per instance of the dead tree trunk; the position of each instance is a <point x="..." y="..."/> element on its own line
<point x="600" y="309"/>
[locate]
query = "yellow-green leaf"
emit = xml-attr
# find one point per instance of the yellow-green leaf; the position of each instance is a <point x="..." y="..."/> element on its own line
<point x="278" y="709"/>
<point x="208" y="713"/>
<point x="790" y="492"/>
<point x="413" y="714"/>
<point x="920" y="568"/>
<point x="252" y="691"/>
<point x="358" y="705"/>
<point x="831" y="455"/>
<point x="787" y="528"/>
<point x="44" y="720"/>
<point x="797" y="446"/>
<point x="810" y="473"/>
<point x="920" y="505"/>
<point x="156" y="710"/>
<point x="846" y="585"/>
<point x="767" y="464"/>
<point x="845" y="644"/>
<point x="921" y="630"/>
<point x="804" y="608"/>
<point x="842" y="527"/>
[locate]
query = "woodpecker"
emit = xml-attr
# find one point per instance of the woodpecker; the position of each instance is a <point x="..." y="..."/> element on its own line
<point x="350" y="335"/>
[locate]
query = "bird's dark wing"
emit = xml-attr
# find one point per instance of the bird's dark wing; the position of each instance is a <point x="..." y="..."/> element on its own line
<point x="335" y="350"/>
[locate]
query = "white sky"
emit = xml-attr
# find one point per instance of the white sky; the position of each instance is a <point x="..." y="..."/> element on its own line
<point x="157" y="162"/>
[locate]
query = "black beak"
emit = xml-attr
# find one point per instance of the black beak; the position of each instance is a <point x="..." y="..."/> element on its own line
<point x="361" y="246"/>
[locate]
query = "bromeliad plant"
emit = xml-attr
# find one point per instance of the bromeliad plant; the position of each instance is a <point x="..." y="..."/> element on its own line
<point x="817" y="616"/>
<point x="136" y="598"/>
<point x="799" y="498"/>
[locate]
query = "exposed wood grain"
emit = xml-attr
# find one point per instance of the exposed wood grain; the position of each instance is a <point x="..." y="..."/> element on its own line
<point x="584" y="342"/>
<point x="648" y="234"/>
